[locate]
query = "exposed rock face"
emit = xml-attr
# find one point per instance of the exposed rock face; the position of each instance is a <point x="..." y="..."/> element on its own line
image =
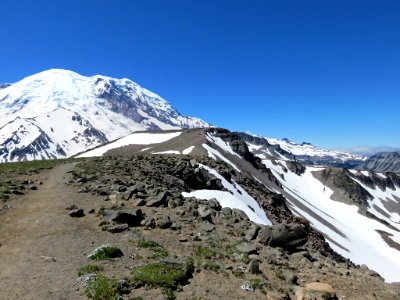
<point x="382" y="162"/>
<point x="286" y="236"/>
<point x="4" y="85"/>
<point x="340" y="179"/>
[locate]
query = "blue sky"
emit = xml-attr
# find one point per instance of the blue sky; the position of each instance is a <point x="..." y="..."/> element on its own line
<point x="327" y="72"/>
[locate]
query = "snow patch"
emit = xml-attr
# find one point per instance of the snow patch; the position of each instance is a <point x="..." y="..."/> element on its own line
<point x="237" y="198"/>
<point x="214" y="154"/>
<point x="133" y="139"/>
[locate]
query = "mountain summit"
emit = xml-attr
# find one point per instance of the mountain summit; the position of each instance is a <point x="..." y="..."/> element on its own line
<point x="58" y="113"/>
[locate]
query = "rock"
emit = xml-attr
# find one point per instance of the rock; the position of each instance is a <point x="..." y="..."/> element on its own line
<point x="138" y="187"/>
<point x="71" y="207"/>
<point x="183" y="239"/>
<point x="80" y="180"/>
<point x="214" y="204"/>
<point x="240" y="214"/>
<point x="17" y="192"/>
<point x="287" y="236"/>
<point x="253" y="267"/>
<point x="176" y="226"/>
<point x="76" y="213"/>
<point x="180" y="263"/>
<point x="316" y="290"/>
<point x="175" y="202"/>
<point x="134" y="236"/>
<point x="47" y="258"/>
<point x="206" y="213"/>
<point x="251" y="233"/>
<point x="149" y="222"/>
<point x="114" y="198"/>
<point x="164" y="222"/>
<point x="227" y="211"/>
<point x="118" y="228"/>
<point x="139" y="202"/>
<point x="33" y="188"/>
<point x="207" y="226"/>
<point x="160" y="200"/>
<point x="130" y="216"/>
<point x="247" y="248"/>
<point x="292" y="278"/>
<point x="196" y="238"/>
<point x="92" y="211"/>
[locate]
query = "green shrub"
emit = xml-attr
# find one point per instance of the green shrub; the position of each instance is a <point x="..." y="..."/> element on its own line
<point x="212" y="265"/>
<point x="103" y="288"/>
<point x="105" y="252"/>
<point x="168" y="277"/>
<point x="205" y="252"/>
<point x="88" y="269"/>
<point x="158" y="250"/>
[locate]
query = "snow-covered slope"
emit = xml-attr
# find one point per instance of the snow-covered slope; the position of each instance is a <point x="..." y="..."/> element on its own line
<point x="349" y="232"/>
<point x="65" y="113"/>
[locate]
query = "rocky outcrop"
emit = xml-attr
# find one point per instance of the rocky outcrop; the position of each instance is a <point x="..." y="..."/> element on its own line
<point x="341" y="180"/>
<point x="382" y="162"/>
<point x="286" y="236"/>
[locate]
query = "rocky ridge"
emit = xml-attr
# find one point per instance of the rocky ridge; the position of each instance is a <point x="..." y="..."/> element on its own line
<point x="382" y="162"/>
<point x="141" y="197"/>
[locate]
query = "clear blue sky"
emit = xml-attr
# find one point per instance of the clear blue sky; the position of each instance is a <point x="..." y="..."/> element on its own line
<point x="327" y="72"/>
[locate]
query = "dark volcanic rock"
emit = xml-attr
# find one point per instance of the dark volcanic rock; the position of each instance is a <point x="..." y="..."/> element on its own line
<point x="287" y="236"/>
<point x="164" y="222"/>
<point x="118" y="228"/>
<point x="160" y="200"/>
<point x="76" y="213"/>
<point x="130" y="216"/>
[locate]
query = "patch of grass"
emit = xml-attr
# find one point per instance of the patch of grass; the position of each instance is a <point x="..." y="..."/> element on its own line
<point x="103" y="288"/>
<point x="158" y="250"/>
<point x="279" y="274"/>
<point x="105" y="252"/>
<point x="88" y="269"/>
<point x="166" y="276"/>
<point x="213" y="265"/>
<point x="238" y="273"/>
<point x="205" y="252"/>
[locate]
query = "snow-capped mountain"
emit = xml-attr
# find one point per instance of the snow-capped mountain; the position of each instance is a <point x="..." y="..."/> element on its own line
<point x="306" y="152"/>
<point x="382" y="162"/>
<point x="357" y="212"/>
<point x="58" y="113"/>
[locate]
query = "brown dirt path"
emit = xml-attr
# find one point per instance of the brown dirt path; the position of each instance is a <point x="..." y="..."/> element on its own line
<point x="40" y="227"/>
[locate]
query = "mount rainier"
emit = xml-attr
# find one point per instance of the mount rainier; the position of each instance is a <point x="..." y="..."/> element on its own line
<point x="58" y="113"/>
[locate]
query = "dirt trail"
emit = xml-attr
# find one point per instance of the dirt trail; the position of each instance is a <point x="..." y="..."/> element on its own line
<point x="37" y="228"/>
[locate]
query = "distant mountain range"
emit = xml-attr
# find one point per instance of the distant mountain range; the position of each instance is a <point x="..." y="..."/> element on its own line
<point x="382" y="162"/>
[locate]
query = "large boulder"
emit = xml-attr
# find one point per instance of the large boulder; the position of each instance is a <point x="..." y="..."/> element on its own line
<point x="130" y="216"/>
<point x="316" y="291"/>
<point x="287" y="236"/>
<point x="159" y="200"/>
